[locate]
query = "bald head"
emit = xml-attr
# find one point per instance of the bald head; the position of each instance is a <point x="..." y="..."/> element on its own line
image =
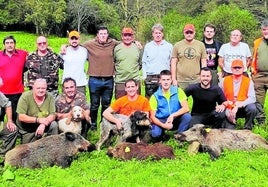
<point x="42" y="44"/>
<point x="236" y="37"/>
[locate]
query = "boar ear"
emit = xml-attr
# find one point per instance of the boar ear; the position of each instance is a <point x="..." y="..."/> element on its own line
<point x="70" y="136"/>
<point x="203" y="131"/>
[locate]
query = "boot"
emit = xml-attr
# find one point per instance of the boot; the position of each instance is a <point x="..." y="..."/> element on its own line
<point x="94" y="117"/>
<point x="260" y="114"/>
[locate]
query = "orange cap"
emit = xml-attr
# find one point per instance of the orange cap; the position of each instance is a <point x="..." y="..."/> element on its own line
<point x="189" y="27"/>
<point x="237" y="63"/>
<point x="127" y="30"/>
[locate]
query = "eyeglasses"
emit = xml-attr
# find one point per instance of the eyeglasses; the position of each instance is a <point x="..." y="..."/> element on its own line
<point x="127" y="34"/>
<point x="41" y="43"/>
<point x="189" y="32"/>
<point x="237" y="67"/>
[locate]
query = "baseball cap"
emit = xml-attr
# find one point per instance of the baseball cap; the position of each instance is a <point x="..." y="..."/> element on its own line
<point x="237" y="63"/>
<point x="74" y="34"/>
<point x="189" y="27"/>
<point x="127" y="30"/>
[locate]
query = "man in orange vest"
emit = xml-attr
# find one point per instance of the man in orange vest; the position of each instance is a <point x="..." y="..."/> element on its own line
<point x="259" y="70"/>
<point x="240" y="94"/>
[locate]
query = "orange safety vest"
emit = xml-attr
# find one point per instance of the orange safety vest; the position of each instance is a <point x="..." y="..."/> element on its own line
<point x="254" y="65"/>
<point x="228" y="88"/>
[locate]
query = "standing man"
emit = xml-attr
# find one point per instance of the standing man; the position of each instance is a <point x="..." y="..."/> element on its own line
<point x="100" y="71"/>
<point x="187" y="55"/>
<point x="156" y="57"/>
<point x="43" y="63"/>
<point x="208" y="101"/>
<point x="212" y="47"/>
<point x="68" y="99"/>
<point x="12" y="62"/>
<point x="127" y="58"/>
<point x="235" y="49"/>
<point x="36" y="113"/>
<point x="75" y="58"/>
<point x="170" y="110"/>
<point x="240" y="94"/>
<point x="260" y="70"/>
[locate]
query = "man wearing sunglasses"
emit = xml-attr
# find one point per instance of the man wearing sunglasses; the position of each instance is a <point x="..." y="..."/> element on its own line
<point x="188" y="56"/>
<point x="45" y="64"/>
<point x="75" y="58"/>
<point x="240" y="94"/>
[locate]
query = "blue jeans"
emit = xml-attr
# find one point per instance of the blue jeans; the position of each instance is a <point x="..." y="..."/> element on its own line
<point x="101" y="90"/>
<point x="180" y="123"/>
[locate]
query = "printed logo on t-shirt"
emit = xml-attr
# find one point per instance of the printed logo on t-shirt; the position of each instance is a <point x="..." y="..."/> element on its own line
<point x="190" y="53"/>
<point x="211" y="55"/>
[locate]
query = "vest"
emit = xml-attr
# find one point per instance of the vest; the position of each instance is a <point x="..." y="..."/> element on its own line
<point x="165" y="107"/>
<point x="229" y="88"/>
<point x="254" y="64"/>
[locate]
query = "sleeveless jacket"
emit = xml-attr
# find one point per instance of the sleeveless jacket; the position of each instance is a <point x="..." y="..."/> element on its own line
<point x="166" y="107"/>
<point x="228" y="88"/>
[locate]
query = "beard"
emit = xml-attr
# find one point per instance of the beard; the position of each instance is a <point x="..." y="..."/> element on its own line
<point x="205" y="83"/>
<point x="209" y="39"/>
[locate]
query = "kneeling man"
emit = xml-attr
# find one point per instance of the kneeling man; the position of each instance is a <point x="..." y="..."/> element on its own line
<point x="36" y="113"/>
<point x="208" y="102"/>
<point x="240" y="94"/>
<point x="170" y="110"/>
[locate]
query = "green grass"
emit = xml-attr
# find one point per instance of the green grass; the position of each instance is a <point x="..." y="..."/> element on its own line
<point x="234" y="168"/>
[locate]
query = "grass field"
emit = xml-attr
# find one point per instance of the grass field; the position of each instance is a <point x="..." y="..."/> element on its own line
<point x="236" y="168"/>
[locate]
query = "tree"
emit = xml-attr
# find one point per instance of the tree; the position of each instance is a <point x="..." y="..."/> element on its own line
<point x="44" y="14"/>
<point x="131" y="11"/>
<point x="80" y="11"/>
<point x="11" y="12"/>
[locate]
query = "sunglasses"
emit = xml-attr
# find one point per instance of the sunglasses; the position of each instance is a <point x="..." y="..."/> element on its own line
<point x="42" y="43"/>
<point x="237" y="67"/>
<point x="189" y="32"/>
<point x="74" y="38"/>
<point x="127" y="34"/>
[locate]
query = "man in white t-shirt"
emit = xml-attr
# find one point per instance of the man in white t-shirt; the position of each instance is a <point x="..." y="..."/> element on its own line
<point x="74" y="61"/>
<point x="235" y="49"/>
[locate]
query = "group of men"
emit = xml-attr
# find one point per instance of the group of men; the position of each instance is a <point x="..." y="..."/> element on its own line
<point x="171" y="74"/>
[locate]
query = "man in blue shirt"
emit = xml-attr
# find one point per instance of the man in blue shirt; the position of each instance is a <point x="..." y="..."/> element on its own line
<point x="156" y="57"/>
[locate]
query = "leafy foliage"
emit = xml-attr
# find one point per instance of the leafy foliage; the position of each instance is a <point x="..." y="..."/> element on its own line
<point x="44" y="14"/>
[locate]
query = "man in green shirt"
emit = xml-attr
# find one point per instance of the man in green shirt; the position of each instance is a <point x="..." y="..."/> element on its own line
<point x="36" y="113"/>
<point x="127" y="57"/>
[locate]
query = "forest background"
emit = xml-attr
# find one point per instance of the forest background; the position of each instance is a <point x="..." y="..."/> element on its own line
<point x="59" y="16"/>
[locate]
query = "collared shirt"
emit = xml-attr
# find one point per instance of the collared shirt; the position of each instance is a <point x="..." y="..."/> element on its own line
<point x="156" y="58"/>
<point x="11" y="71"/>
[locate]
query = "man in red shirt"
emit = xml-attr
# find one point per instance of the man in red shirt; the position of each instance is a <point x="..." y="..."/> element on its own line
<point x="12" y="63"/>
